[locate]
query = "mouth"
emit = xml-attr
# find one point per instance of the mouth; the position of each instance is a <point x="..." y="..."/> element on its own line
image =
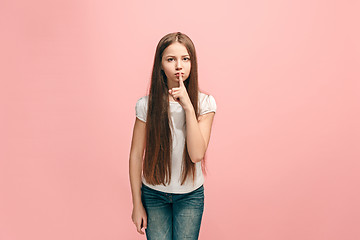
<point x="177" y="74"/>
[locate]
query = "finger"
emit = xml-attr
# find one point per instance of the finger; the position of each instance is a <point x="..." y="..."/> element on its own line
<point x="145" y="222"/>
<point x="138" y="228"/>
<point x="142" y="225"/>
<point x="181" y="83"/>
<point x="175" y="97"/>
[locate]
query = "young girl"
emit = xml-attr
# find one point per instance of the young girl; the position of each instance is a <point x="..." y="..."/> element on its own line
<point x="171" y="134"/>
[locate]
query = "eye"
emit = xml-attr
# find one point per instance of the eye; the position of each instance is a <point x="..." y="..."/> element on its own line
<point x="169" y="59"/>
<point x="186" y="58"/>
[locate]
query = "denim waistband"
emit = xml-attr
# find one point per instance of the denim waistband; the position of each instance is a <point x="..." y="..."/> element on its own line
<point x="167" y="193"/>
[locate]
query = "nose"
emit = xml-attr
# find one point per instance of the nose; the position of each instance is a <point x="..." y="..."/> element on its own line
<point x="178" y="65"/>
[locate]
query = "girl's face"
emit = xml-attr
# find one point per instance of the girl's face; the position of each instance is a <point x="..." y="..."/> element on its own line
<point x="175" y="60"/>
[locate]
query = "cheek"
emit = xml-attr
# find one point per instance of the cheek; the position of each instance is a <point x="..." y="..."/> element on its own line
<point x="166" y="67"/>
<point x="167" y="72"/>
<point x="163" y="67"/>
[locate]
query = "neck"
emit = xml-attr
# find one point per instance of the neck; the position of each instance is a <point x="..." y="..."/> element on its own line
<point x="172" y="85"/>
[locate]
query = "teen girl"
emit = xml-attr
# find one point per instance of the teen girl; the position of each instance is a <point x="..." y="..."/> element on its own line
<point x="171" y="134"/>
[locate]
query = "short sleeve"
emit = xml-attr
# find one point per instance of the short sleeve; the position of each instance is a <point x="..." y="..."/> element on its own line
<point x="141" y="109"/>
<point x="207" y="104"/>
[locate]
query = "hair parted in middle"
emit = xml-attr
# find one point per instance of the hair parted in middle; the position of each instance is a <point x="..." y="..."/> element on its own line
<point x="158" y="148"/>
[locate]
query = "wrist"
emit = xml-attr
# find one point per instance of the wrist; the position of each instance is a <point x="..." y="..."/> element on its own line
<point x="137" y="203"/>
<point x="137" y="200"/>
<point x="189" y="109"/>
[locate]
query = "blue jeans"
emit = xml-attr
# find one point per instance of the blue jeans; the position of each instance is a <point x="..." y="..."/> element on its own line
<point x="172" y="216"/>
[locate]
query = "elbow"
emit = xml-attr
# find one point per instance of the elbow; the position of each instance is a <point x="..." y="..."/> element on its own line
<point x="197" y="159"/>
<point x="198" y="156"/>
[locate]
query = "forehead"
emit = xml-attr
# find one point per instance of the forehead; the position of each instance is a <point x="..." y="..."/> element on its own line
<point x="175" y="48"/>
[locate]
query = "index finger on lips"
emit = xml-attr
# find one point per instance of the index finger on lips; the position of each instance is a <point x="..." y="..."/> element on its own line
<point x="181" y="82"/>
<point x="180" y="76"/>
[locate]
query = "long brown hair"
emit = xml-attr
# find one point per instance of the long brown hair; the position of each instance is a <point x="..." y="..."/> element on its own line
<point x="157" y="160"/>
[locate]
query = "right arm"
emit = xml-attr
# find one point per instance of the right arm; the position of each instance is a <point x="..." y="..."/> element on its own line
<point x="135" y="170"/>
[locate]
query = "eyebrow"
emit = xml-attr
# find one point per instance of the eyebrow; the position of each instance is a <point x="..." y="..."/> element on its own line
<point x="174" y="56"/>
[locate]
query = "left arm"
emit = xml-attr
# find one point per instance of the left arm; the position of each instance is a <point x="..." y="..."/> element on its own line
<point x="198" y="134"/>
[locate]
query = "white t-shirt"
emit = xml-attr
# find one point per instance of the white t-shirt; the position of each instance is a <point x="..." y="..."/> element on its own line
<point x="206" y="104"/>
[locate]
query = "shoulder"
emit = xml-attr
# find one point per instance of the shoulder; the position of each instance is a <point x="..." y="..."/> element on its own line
<point x="207" y="103"/>
<point x="141" y="108"/>
<point x="143" y="99"/>
<point x="142" y="102"/>
<point x="203" y="98"/>
<point x="205" y="95"/>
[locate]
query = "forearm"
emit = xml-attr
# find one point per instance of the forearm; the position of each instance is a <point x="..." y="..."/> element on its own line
<point x="195" y="141"/>
<point x="135" y="169"/>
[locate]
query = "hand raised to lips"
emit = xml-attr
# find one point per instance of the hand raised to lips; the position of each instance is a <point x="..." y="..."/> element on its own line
<point x="181" y="81"/>
<point x="181" y="85"/>
<point x="180" y="94"/>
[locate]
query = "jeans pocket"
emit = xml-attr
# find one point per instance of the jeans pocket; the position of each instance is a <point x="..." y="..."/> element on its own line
<point x="151" y="198"/>
<point x="196" y="197"/>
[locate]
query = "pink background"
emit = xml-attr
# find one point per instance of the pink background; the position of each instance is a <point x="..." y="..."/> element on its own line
<point x="283" y="160"/>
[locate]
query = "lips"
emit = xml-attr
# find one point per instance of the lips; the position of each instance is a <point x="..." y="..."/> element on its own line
<point x="177" y="74"/>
